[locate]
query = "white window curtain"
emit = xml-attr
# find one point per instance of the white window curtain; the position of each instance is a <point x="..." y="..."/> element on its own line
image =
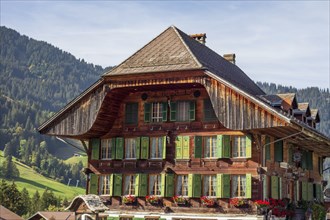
<point x="182" y="111"/>
<point x="152" y="179"/>
<point x="130" y="148"/>
<point x="129" y="185"/>
<point x="234" y="186"/>
<point x="243" y="185"/>
<point x="157" y="112"/>
<point x="156" y="147"/>
<point x="182" y="185"/>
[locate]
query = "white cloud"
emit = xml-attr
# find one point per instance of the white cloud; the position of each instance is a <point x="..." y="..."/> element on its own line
<point x="277" y="41"/>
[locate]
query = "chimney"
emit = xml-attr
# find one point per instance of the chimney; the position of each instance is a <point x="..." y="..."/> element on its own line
<point x="231" y="57"/>
<point x="201" y="38"/>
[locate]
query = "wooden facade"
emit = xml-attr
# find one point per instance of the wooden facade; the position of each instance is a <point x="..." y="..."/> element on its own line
<point x="188" y="130"/>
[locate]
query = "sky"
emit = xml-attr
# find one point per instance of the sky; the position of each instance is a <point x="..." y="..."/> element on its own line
<point x="283" y="42"/>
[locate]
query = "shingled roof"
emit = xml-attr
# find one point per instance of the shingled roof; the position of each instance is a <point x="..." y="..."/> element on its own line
<point x="174" y="50"/>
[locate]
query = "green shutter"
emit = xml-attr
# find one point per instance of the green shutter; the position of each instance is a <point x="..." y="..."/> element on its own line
<point x="225" y="185"/>
<point x="219" y="186"/>
<point x="278" y="151"/>
<point x="265" y="187"/>
<point x="267" y="154"/>
<point x="117" y="184"/>
<point x="119" y="148"/>
<point x="318" y="192"/>
<point x="192" y="111"/>
<point x="144" y="147"/>
<point x="196" y="185"/>
<point x="290" y="155"/>
<point x="93" y="184"/>
<point x="162" y="184"/>
<point x="111" y="185"/>
<point x="280" y="187"/>
<point x="304" y="159"/>
<point x="320" y="166"/>
<point x="164" y="111"/>
<point x="95" y="145"/>
<point x="223" y="146"/>
<point x="198" y="146"/>
<point x="113" y="148"/>
<point x="169" y="185"/>
<point x="248" y="187"/>
<point x="178" y="147"/>
<point x="141" y="184"/>
<point x="164" y="147"/>
<point x="131" y="113"/>
<point x="173" y="111"/>
<point x="147" y="112"/>
<point x="274" y="186"/>
<point x="226" y="148"/>
<point x="310" y="190"/>
<point x="248" y="143"/>
<point x="310" y="160"/>
<point x="185" y="147"/>
<point x="190" y="185"/>
<point x="304" y="191"/>
<point x="138" y="147"/>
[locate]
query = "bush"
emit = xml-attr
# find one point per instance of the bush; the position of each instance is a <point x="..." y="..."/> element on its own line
<point x="319" y="212"/>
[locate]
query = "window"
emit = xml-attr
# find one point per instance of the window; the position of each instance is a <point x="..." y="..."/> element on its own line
<point x="107" y="147"/>
<point x="155" y="112"/>
<point x="238" y="185"/>
<point x="104" y="185"/>
<point x="130" y="148"/>
<point x="181" y="185"/>
<point x="154" y="185"/>
<point x="210" y="146"/>
<point x="209" y="114"/>
<point x="209" y="185"/>
<point x="182" y="111"/>
<point x="129" y="185"/>
<point x="239" y="146"/>
<point x="131" y="113"/>
<point x="156" y="147"/>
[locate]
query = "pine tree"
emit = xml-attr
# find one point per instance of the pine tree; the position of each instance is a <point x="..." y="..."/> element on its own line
<point x="27" y="202"/>
<point x="36" y="202"/>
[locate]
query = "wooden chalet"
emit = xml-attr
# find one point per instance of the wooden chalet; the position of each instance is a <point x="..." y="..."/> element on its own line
<point x="175" y="122"/>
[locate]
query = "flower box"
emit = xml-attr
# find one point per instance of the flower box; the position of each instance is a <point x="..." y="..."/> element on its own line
<point x="180" y="200"/>
<point x="239" y="202"/>
<point x="152" y="199"/>
<point x="207" y="201"/>
<point x="128" y="199"/>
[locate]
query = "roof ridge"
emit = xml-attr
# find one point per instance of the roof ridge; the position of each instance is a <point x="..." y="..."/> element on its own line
<point x="186" y="46"/>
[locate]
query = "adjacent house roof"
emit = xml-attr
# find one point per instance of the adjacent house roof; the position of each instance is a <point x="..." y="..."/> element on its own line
<point x="53" y="216"/>
<point x="273" y="100"/>
<point x="174" y="50"/>
<point x="92" y="202"/>
<point x="303" y="108"/>
<point x="315" y="115"/>
<point x="289" y="100"/>
<point x="6" y="214"/>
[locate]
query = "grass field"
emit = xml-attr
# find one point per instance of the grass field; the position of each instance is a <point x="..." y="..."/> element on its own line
<point x="33" y="181"/>
<point x="73" y="160"/>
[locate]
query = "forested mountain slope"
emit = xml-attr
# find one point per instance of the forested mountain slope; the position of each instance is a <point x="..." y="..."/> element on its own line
<point x="36" y="80"/>
<point x="316" y="97"/>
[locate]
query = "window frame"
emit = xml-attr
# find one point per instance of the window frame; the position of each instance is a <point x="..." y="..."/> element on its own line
<point x="108" y="149"/>
<point x="212" y="185"/>
<point x="183" y="185"/>
<point x="129" y="147"/>
<point x="240" y="185"/>
<point x="212" y="148"/>
<point x="104" y="181"/>
<point x="157" y="187"/>
<point x="131" y="186"/>
<point x="240" y="146"/>
<point x="131" y="118"/>
<point x="159" y="141"/>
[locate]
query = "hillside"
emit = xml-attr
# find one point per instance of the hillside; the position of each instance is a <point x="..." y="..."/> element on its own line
<point x="317" y="98"/>
<point x="32" y="181"/>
